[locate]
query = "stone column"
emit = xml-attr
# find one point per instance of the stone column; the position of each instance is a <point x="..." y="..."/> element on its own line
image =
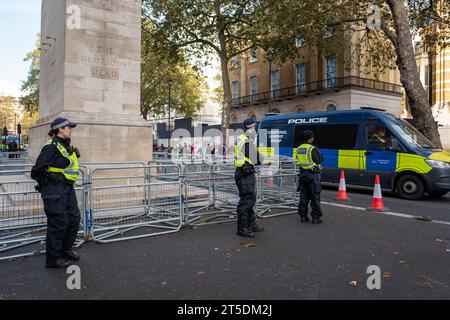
<point x="90" y="73"/>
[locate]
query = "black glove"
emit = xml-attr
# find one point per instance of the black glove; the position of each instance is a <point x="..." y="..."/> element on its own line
<point x="248" y="169"/>
<point x="37" y="188"/>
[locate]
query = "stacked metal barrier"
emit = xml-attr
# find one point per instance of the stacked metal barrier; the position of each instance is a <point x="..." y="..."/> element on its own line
<point x="130" y="202"/>
<point x="277" y="189"/>
<point x="124" y="201"/>
<point x="22" y="218"/>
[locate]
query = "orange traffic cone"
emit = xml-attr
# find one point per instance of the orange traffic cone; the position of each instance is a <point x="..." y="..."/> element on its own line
<point x="377" y="202"/>
<point x="269" y="180"/>
<point x="342" y="192"/>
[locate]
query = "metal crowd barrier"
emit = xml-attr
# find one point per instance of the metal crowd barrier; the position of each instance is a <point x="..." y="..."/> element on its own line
<point x="277" y="189"/>
<point x="210" y="193"/>
<point x="22" y="218"/>
<point x="124" y="200"/>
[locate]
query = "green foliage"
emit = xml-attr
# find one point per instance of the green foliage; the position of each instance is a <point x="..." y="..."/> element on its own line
<point x="188" y="90"/>
<point x="30" y="101"/>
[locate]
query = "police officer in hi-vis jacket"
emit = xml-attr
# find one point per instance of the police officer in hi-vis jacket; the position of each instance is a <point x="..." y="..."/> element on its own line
<point x="56" y="171"/>
<point x="309" y="159"/>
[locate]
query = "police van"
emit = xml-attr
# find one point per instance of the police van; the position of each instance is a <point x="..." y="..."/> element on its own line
<point x="364" y="143"/>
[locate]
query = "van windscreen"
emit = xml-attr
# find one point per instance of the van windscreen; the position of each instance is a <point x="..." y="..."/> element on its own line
<point x="331" y="136"/>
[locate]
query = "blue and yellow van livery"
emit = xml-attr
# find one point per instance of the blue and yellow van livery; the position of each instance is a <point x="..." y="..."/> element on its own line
<point x="364" y="143"/>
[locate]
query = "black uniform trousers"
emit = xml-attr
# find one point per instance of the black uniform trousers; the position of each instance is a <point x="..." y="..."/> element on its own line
<point x="247" y="198"/>
<point x="63" y="217"/>
<point x="310" y="189"/>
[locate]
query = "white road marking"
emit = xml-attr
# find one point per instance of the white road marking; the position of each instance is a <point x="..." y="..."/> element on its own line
<point x="388" y="213"/>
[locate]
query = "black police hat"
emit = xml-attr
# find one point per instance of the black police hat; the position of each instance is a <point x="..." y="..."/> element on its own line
<point x="306" y="135"/>
<point x="248" y="123"/>
<point x="62" y="122"/>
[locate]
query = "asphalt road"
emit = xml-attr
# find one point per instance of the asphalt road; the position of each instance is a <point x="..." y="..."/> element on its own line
<point x="426" y="207"/>
<point x="288" y="261"/>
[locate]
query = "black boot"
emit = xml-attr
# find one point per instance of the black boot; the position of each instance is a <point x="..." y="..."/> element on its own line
<point x="71" y="255"/>
<point x="317" y="221"/>
<point x="58" y="262"/>
<point x="255" y="228"/>
<point x="304" y="219"/>
<point x="245" y="232"/>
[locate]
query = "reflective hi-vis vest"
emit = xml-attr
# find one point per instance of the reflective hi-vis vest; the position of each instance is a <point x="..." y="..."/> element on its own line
<point x="239" y="152"/>
<point x="71" y="171"/>
<point x="304" y="157"/>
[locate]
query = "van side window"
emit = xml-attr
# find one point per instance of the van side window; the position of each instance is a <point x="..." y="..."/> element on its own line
<point x="379" y="137"/>
<point x="330" y="136"/>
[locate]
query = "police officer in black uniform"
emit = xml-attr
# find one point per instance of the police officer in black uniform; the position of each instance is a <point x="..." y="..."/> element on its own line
<point x="246" y="157"/>
<point x="309" y="159"/>
<point x="56" y="171"/>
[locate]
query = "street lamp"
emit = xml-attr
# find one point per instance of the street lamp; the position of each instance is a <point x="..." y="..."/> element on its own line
<point x="169" y="82"/>
<point x="269" y="57"/>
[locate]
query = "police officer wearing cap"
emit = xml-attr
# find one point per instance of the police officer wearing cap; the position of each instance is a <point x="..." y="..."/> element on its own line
<point x="309" y="159"/>
<point x="246" y="157"/>
<point x="56" y="171"/>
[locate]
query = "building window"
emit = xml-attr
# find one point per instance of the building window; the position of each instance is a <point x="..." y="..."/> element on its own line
<point x="275" y="82"/>
<point x="235" y="62"/>
<point x="253" y="88"/>
<point x="299" y="41"/>
<point x="234" y="119"/>
<point x="329" y="32"/>
<point x="235" y="91"/>
<point x="331" y="71"/>
<point x="301" y="77"/>
<point x="253" y="55"/>
<point x="300" y="109"/>
<point x="331" y="107"/>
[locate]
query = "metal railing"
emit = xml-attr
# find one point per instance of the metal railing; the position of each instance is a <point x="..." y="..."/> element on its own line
<point x="123" y="201"/>
<point x="317" y="87"/>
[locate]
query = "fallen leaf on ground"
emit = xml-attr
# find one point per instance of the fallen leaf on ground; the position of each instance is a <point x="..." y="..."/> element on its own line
<point x="232" y="217"/>
<point x="396" y="253"/>
<point x="200" y="273"/>
<point x="387" y="275"/>
<point x="248" y="245"/>
<point x="42" y="242"/>
<point x="353" y="283"/>
<point x="439" y="240"/>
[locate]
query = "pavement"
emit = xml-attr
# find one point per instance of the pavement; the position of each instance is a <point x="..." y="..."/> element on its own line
<point x="288" y="261"/>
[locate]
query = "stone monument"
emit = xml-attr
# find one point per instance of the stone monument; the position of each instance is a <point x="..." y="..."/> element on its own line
<point x="90" y="73"/>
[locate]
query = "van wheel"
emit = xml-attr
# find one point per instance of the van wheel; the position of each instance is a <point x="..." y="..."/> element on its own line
<point x="437" y="194"/>
<point x="410" y="187"/>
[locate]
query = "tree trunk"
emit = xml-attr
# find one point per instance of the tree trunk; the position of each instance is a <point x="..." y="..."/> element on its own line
<point x="223" y="55"/>
<point x="409" y="76"/>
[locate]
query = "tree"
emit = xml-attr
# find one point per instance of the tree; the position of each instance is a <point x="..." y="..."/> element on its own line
<point x="7" y="111"/>
<point x="200" y="28"/>
<point x="30" y="101"/>
<point x="187" y="91"/>
<point x="381" y="47"/>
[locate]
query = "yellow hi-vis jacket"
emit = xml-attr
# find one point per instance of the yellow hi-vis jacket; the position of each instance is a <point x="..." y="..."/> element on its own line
<point x="304" y="157"/>
<point x="71" y="171"/>
<point x="239" y="152"/>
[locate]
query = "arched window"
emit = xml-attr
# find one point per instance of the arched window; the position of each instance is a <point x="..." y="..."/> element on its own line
<point x="331" y="107"/>
<point x="300" y="109"/>
<point x="275" y="110"/>
<point x="252" y="116"/>
<point x="234" y="119"/>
